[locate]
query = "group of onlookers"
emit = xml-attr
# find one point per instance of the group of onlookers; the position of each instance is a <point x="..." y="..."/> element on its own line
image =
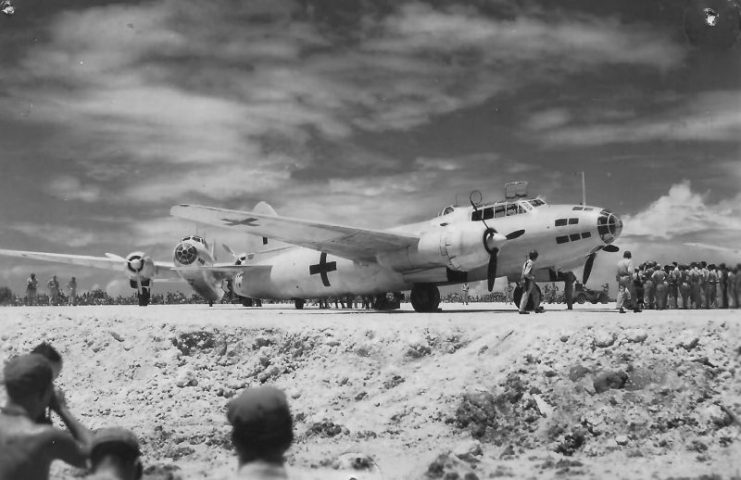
<point x="262" y="430"/>
<point x="675" y="285"/>
<point x="55" y="291"/>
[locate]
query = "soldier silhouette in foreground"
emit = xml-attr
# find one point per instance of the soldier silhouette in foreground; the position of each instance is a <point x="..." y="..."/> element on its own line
<point x="27" y="448"/>
<point x="114" y="455"/>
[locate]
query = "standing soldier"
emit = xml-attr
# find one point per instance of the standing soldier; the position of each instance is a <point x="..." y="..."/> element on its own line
<point x="528" y="284"/>
<point x="722" y="286"/>
<point x="673" y="281"/>
<point x="684" y="285"/>
<point x="659" y="280"/>
<point x="696" y="285"/>
<point x="624" y="269"/>
<point x="72" y="287"/>
<point x="648" y="287"/>
<point x="53" y="285"/>
<point x="465" y="293"/>
<point x="637" y="291"/>
<point x="31" y="286"/>
<point x="737" y="285"/>
<point x="711" y="287"/>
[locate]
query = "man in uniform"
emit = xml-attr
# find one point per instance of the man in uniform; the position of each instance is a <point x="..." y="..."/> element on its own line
<point x="114" y="455"/>
<point x="31" y="288"/>
<point x="672" y="279"/>
<point x="27" y="448"/>
<point x="464" y="289"/>
<point x="53" y="285"/>
<point x="262" y="432"/>
<point x="648" y="287"/>
<point x="722" y="286"/>
<point x="658" y="278"/>
<point x="711" y="287"/>
<point x="624" y="269"/>
<point x="55" y="361"/>
<point x="528" y="284"/>
<point x="737" y="285"/>
<point x="72" y="288"/>
<point x="684" y="285"/>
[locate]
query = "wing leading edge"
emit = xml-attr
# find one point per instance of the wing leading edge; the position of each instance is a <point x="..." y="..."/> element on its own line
<point x="348" y="242"/>
<point x="112" y="262"/>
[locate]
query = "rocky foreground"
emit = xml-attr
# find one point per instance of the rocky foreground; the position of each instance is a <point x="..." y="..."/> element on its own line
<point x="465" y="394"/>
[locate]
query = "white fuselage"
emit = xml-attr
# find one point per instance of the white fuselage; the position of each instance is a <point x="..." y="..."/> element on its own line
<point x="450" y="251"/>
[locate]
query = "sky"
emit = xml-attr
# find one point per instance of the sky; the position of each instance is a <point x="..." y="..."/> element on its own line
<point x="369" y="113"/>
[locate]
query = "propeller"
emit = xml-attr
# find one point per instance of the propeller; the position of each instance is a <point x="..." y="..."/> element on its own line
<point x="590" y="260"/>
<point x="492" y="239"/>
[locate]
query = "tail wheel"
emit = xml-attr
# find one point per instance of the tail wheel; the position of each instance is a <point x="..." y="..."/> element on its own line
<point x="425" y="298"/>
<point x="581" y="298"/>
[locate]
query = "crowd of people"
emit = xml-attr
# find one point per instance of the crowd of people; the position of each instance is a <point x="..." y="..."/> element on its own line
<point x="675" y="285"/>
<point x="262" y="429"/>
<point x="56" y="296"/>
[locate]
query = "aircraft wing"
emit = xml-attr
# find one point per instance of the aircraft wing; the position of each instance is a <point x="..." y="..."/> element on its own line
<point x="348" y="242"/>
<point x="109" y="262"/>
<point x="223" y="268"/>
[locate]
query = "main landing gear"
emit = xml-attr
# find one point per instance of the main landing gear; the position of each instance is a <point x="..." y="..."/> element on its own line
<point x="425" y="297"/>
<point x="143" y="293"/>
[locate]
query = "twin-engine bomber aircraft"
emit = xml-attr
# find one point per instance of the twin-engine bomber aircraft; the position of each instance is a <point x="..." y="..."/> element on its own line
<point x="142" y="270"/>
<point x="461" y="244"/>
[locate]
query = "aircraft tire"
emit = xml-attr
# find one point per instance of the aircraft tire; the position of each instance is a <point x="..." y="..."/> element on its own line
<point x="425" y="298"/>
<point x="143" y="297"/>
<point x="581" y="299"/>
<point x="517" y="296"/>
<point x="299" y="303"/>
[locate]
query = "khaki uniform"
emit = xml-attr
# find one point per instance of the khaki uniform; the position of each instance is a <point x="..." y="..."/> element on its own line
<point x="624" y="272"/>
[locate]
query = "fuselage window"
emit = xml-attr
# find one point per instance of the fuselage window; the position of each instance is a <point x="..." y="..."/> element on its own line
<point x="488" y="213"/>
<point x="562" y="239"/>
<point x="574" y="237"/>
<point x="476" y="216"/>
<point x="560" y="222"/>
<point x="578" y="208"/>
<point x="573" y="221"/>
<point x="511" y="209"/>
<point x="499" y="211"/>
<point x="586" y="235"/>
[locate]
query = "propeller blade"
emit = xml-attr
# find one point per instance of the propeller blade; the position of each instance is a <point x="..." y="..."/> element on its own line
<point x="491" y="271"/>
<point x="588" y="267"/>
<point x="515" y="234"/>
<point x="611" y="248"/>
<point x="229" y="250"/>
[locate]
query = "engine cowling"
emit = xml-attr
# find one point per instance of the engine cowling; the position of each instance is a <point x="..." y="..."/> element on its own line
<point x="458" y="247"/>
<point x="139" y="266"/>
<point x="186" y="253"/>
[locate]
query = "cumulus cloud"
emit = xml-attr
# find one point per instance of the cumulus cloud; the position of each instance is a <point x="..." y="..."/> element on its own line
<point x="709" y="116"/>
<point x="70" y="188"/>
<point x="57" y="234"/>
<point x="151" y="84"/>
<point x="682" y="213"/>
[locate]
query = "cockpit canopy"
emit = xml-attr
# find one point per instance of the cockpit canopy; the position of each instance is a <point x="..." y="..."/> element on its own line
<point x="506" y="209"/>
<point x="195" y="238"/>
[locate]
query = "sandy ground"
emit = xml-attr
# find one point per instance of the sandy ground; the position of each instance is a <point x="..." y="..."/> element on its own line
<point x="475" y="390"/>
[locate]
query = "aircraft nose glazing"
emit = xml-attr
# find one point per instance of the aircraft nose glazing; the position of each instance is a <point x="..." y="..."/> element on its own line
<point x="609" y="226"/>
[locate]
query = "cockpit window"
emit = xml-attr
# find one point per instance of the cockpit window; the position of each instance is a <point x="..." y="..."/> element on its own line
<point x="536" y="202"/>
<point x="446" y="210"/>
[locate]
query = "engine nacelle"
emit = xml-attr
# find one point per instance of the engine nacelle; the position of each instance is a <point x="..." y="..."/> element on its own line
<point x="185" y="253"/>
<point x="459" y="248"/>
<point x="139" y="266"/>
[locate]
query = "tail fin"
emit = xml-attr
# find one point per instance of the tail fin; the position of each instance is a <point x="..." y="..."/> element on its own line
<point x="254" y="243"/>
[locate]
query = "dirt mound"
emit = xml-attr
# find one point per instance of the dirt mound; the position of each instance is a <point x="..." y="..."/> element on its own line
<point x="452" y="397"/>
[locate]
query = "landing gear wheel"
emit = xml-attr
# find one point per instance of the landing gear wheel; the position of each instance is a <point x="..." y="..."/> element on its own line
<point x="517" y="296"/>
<point x="425" y="298"/>
<point x="246" y="302"/>
<point x="143" y="297"/>
<point x="581" y="299"/>
<point x="299" y="303"/>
